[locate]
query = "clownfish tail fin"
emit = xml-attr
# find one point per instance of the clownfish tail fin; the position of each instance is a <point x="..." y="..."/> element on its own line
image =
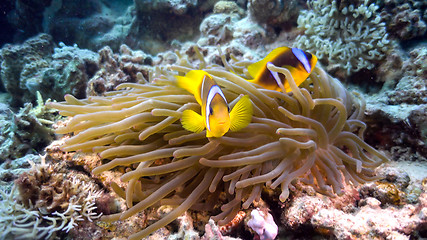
<point x="241" y="114"/>
<point x="192" y="121"/>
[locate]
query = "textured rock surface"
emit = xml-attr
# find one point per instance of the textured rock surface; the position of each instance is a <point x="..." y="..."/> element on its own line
<point x="20" y="62"/>
<point x="25" y="132"/>
<point x="276" y="13"/>
<point x="406" y="20"/>
<point x="128" y="66"/>
<point x="393" y="207"/>
<point x="37" y="66"/>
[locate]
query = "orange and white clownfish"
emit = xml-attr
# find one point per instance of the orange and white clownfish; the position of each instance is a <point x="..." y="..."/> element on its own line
<point x="216" y="116"/>
<point x="297" y="61"/>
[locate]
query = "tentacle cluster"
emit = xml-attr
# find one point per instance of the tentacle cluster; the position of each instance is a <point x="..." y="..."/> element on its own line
<point x="314" y="134"/>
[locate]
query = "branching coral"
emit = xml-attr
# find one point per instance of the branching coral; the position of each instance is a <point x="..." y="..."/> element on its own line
<point x="344" y="34"/>
<point x="314" y="134"/>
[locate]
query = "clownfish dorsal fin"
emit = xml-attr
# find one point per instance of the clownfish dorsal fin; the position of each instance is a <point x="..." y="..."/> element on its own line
<point x="255" y="68"/>
<point x="241" y="114"/>
<point x="192" y="82"/>
<point x="192" y="121"/>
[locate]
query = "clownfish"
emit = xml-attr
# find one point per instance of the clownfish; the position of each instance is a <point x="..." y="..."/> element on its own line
<point x="216" y="115"/>
<point x="297" y="61"/>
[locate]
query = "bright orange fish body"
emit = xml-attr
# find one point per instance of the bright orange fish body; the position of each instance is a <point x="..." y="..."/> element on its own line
<point x="297" y="61"/>
<point x="215" y="115"/>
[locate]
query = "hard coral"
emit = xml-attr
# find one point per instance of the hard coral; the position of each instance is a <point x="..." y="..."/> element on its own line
<point x="370" y="222"/>
<point x="278" y="13"/>
<point x="37" y="66"/>
<point x="314" y="134"/>
<point x="128" y="66"/>
<point x="345" y="35"/>
<point x="25" y="131"/>
<point x="405" y="20"/>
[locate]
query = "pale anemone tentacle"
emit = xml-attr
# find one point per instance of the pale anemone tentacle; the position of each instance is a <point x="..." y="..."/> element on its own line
<point x="314" y="133"/>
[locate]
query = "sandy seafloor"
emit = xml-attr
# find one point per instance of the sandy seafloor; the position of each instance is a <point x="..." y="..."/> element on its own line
<point x="376" y="49"/>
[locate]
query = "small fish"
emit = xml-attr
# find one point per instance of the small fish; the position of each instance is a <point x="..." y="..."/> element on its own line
<point x="216" y="116"/>
<point x="297" y="61"/>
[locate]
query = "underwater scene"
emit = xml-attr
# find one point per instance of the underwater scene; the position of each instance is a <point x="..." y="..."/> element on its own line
<point x="213" y="119"/>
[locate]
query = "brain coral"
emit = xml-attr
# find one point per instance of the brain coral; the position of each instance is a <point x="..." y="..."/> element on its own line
<point x="348" y="36"/>
<point x="314" y="135"/>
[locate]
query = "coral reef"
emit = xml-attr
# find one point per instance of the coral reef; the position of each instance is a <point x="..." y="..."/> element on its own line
<point x="50" y="200"/>
<point x="277" y="13"/>
<point x="405" y="20"/>
<point x="37" y="66"/>
<point x="372" y="212"/>
<point x="370" y="221"/>
<point x="24" y="60"/>
<point x="155" y="28"/>
<point x="26" y="131"/>
<point x="346" y="36"/>
<point x="124" y="135"/>
<point x="400" y="130"/>
<point x="94" y="24"/>
<point x="412" y="89"/>
<point x="219" y="27"/>
<point x="317" y="128"/>
<point x="90" y="24"/>
<point x="396" y="114"/>
<point x="228" y="26"/>
<point x="128" y="66"/>
<point x="186" y="230"/>
<point x="10" y="170"/>
<point x="212" y="232"/>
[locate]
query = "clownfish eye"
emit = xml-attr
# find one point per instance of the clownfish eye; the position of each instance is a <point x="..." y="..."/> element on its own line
<point x="210" y="111"/>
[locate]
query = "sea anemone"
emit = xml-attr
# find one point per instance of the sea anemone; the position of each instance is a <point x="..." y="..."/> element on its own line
<point x="313" y="134"/>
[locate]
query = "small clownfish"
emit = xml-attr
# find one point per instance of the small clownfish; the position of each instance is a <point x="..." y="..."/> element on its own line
<point x="216" y="115"/>
<point x="297" y="61"/>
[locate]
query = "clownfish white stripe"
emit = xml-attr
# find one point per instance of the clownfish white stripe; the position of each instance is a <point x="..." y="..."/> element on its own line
<point x="302" y="58"/>
<point x="216" y="116"/>
<point x="212" y="92"/>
